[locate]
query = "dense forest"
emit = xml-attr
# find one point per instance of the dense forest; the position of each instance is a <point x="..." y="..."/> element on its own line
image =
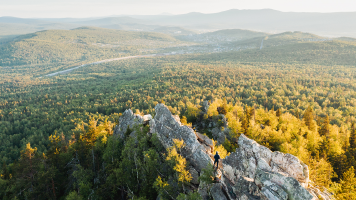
<point x="302" y="92"/>
<point x="48" y="50"/>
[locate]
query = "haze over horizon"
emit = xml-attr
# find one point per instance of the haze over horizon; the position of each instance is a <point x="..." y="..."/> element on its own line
<point x="91" y="8"/>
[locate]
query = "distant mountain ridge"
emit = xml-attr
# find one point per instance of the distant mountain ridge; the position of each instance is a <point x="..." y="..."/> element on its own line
<point x="265" y="20"/>
<point x="330" y="24"/>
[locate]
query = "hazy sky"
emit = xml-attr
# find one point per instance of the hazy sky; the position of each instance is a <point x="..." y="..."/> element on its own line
<point x="91" y="8"/>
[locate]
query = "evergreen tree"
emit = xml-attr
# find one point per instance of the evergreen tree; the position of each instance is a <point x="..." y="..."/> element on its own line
<point x="253" y="113"/>
<point x="246" y="119"/>
<point x="279" y="112"/>
<point x="325" y="129"/>
<point x="346" y="189"/>
<point x="324" y="148"/>
<point x="353" y="136"/>
<point x="296" y="113"/>
<point x="309" y="118"/>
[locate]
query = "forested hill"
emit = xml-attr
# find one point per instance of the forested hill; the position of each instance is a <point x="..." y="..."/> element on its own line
<point x="226" y="35"/>
<point x="81" y="44"/>
<point x="327" y="53"/>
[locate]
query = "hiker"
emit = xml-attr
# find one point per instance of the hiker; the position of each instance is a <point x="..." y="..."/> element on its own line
<point x="216" y="157"/>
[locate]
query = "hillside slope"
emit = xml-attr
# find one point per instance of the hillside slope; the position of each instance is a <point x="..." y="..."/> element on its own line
<point x="81" y="44"/>
<point x="327" y="53"/>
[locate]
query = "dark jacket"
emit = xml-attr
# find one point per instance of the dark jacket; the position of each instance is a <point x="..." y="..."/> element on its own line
<point x="216" y="157"/>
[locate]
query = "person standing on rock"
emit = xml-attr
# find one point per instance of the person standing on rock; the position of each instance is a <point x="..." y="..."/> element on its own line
<point x="216" y="157"/>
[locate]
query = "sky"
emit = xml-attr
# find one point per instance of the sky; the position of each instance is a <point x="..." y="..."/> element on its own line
<point x="98" y="8"/>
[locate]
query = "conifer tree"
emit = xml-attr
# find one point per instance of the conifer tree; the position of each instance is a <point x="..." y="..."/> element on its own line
<point x="253" y="113"/>
<point x="297" y="114"/>
<point x="324" y="148"/>
<point x="353" y="136"/>
<point x="325" y="130"/>
<point x="309" y="118"/>
<point x="246" y="119"/>
<point x="346" y="190"/>
<point x="279" y="112"/>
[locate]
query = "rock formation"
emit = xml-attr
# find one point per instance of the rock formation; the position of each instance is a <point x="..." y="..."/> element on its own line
<point x="251" y="172"/>
<point x="168" y="127"/>
<point x="129" y="120"/>
<point x="255" y="172"/>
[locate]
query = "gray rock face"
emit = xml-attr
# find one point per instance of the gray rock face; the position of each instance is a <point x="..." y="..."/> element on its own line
<point x="128" y="119"/>
<point x="195" y="176"/>
<point x="284" y="187"/>
<point x="245" y="188"/>
<point x="274" y="191"/>
<point x="258" y="173"/>
<point x="168" y="127"/>
<point x="217" y="192"/>
<point x="252" y="172"/>
<point x="261" y="157"/>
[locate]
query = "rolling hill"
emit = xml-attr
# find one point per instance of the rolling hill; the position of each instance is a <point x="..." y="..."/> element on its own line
<point x="79" y="45"/>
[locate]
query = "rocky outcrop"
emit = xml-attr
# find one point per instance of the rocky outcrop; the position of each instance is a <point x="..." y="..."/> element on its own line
<point x="251" y="172"/>
<point x="269" y="175"/>
<point x="129" y="120"/>
<point x="168" y="127"/>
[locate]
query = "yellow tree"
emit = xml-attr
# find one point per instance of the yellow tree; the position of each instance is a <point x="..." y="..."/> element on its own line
<point x="321" y="172"/>
<point x="27" y="167"/>
<point x="346" y="189"/>
<point x="180" y="162"/>
<point x="220" y="148"/>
